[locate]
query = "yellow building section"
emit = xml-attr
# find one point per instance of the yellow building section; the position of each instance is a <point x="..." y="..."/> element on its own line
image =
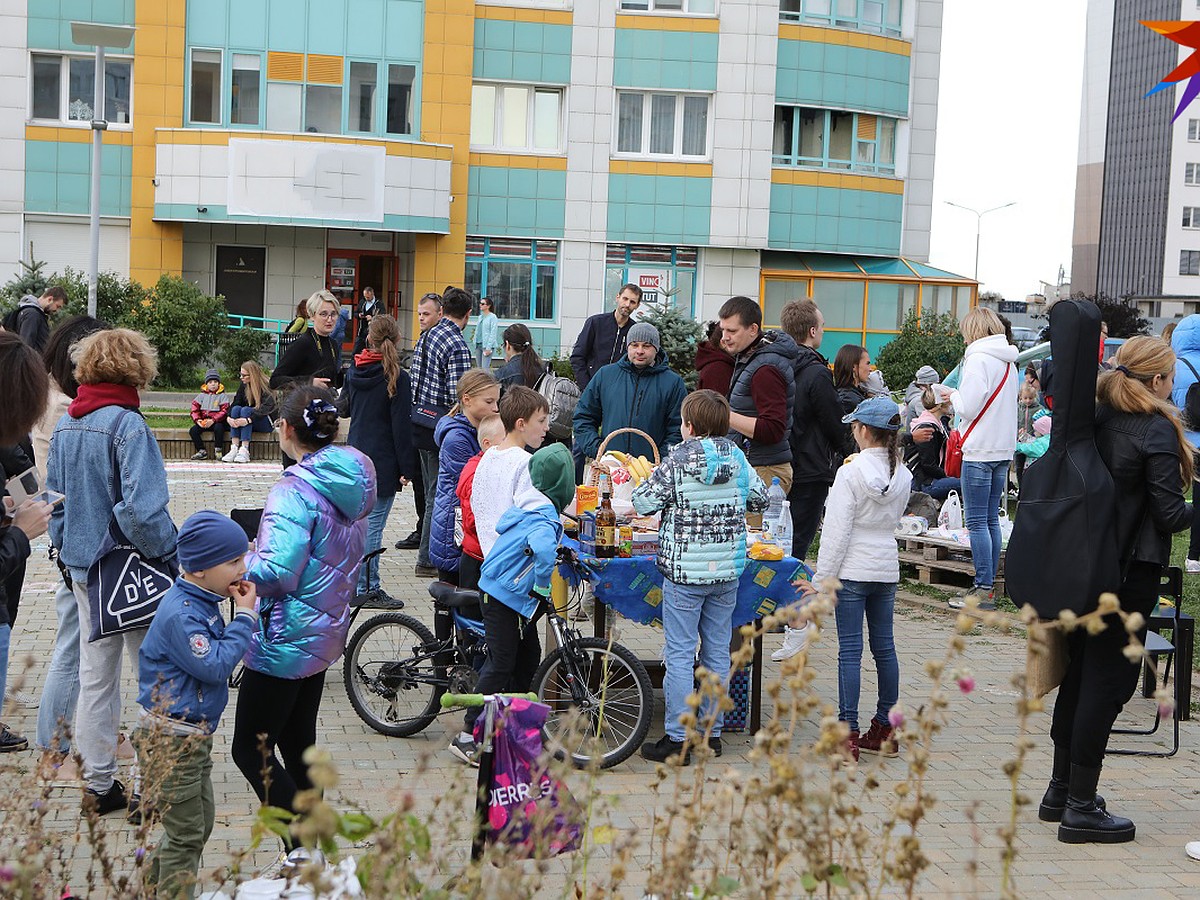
<point x="650" y="167"/>
<point x="448" y="58"/>
<point x="825" y="178"/>
<point x="519" y="161"/>
<point x="707" y="25"/>
<point x="219" y="137"/>
<point x="155" y="248"/>
<point x="519" y="14"/>
<point x="817" y="34"/>
<point x="118" y="137"/>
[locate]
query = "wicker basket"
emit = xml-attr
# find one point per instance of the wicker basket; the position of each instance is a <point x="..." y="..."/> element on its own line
<point x="599" y="468"/>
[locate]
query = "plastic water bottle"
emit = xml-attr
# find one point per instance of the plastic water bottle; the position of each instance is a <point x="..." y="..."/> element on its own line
<point x="782" y="528"/>
<point x="775" y="501"/>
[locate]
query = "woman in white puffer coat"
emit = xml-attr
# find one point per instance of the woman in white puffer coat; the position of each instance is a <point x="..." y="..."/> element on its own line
<point x="858" y="548"/>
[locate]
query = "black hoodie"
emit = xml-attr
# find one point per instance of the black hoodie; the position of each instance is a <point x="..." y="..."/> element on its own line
<point x="816" y="420"/>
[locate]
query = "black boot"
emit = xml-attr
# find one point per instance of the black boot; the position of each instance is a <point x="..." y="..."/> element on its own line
<point x="1054" y="801"/>
<point x="1083" y="821"/>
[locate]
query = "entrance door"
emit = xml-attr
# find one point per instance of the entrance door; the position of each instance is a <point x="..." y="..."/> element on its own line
<point x="351" y="271"/>
<point x="242" y="279"/>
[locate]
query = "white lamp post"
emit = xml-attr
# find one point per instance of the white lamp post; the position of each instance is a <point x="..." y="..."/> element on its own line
<point x="94" y="34"/>
<point x="979" y="214"/>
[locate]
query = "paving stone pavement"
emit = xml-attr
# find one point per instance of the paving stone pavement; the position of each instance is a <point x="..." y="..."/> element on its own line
<point x="1160" y="795"/>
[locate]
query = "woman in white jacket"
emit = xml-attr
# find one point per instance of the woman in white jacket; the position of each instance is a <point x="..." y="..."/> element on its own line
<point x="986" y="404"/>
<point x="858" y="548"/>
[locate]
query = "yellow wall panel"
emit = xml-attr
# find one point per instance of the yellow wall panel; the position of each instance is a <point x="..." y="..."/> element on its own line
<point x="324" y="69"/>
<point x="285" y="66"/>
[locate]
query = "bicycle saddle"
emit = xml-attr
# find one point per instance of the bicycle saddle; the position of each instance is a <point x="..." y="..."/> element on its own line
<point x="451" y="597"/>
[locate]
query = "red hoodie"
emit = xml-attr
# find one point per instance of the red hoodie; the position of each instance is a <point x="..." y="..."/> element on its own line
<point x="715" y="367"/>
<point x="466" y="480"/>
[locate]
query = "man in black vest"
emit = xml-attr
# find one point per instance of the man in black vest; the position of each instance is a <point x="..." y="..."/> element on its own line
<point x="602" y="340"/>
<point x="762" y="389"/>
<point x="31" y="320"/>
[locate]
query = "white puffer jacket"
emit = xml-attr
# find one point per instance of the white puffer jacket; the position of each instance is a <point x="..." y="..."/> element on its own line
<point x="985" y="363"/>
<point x="858" y="539"/>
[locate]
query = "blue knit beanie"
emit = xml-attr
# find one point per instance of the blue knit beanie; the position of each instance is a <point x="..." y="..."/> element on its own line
<point x="208" y="539"/>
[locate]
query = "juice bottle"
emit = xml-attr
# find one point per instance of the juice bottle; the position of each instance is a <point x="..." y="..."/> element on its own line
<point x="606" y="524"/>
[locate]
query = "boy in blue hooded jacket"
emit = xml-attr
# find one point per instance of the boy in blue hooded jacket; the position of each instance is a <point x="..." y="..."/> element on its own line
<point x="184" y="666"/>
<point x="515" y="578"/>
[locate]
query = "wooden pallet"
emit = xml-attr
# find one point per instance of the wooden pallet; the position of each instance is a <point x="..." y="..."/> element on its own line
<point x="942" y="561"/>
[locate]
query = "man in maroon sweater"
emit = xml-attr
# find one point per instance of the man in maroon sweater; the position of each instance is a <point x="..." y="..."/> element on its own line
<point x="762" y="389"/>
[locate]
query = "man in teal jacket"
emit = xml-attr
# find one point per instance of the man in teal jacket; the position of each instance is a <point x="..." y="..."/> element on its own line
<point x="639" y="392"/>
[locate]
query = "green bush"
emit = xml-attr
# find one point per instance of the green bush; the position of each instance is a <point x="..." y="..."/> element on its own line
<point x="239" y="345"/>
<point x="928" y="340"/>
<point x="561" y="366"/>
<point x="679" y="334"/>
<point x="183" y="323"/>
<point x="116" y="296"/>
<point x="31" y="280"/>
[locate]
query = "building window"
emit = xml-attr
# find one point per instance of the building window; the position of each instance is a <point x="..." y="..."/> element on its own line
<point x="283" y="106"/>
<point x="363" y="80"/>
<point x="1189" y="262"/>
<point x="1194" y="129"/>
<point x="323" y="108"/>
<point x="399" y="99"/>
<point x="1191" y="217"/>
<point x="205" y="105"/>
<point x="651" y="124"/>
<point x="244" y="89"/>
<point x="516" y="117"/>
<point x="878" y="16"/>
<point x="63" y="89"/>
<point x="1191" y="173"/>
<point x="517" y="276"/>
<point x="696" y="7"/>
<point x="665" y="274"/>
<point x="831" y="139"/>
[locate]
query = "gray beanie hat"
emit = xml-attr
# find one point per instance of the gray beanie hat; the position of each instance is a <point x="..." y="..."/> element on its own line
<point x="927" y="375"/>
<point x="645" y="333"/>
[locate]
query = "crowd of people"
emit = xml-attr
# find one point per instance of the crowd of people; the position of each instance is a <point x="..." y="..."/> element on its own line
<point x="770" y="409"/>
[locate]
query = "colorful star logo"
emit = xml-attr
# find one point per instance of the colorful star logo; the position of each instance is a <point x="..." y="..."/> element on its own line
<point x="1186" y="34"/>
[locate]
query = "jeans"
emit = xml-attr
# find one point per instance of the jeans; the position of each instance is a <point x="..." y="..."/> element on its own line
<point x="185" y="797"/>
<point x="807" y="499"/>
<point x="98" y="710"/>
<point x="5" y="640"/>
<point x="218" y="433"/>
<point x="876" y="599"/>
<point x="376" y="520"/>
<point x="1194" y="543"/>
<point x="429" y="474"/>
<point x="984" y="485"/>
<point x="56" y="711"/>
<point x="241" y="433"/>
<point x="514" y="654"/>
<point x="940" y="488"/>
<point x="691" y="612"/>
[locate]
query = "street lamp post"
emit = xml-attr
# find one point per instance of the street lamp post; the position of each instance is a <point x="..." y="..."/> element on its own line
<point x="979" y="214"/>
<point x="94" y="34"/>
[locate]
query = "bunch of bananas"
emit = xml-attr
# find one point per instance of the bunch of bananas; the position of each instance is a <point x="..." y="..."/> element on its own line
<point x="639" y="467"/>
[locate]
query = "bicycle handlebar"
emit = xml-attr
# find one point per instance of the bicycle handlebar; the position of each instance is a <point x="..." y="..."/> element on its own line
<point x="450" y="700"/>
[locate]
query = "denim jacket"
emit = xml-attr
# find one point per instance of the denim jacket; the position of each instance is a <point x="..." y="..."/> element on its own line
<point x="80" y="468"/>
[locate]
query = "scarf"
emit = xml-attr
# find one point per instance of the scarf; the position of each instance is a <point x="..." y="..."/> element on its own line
<point x="92" y="397"/>
<point x="366" y="357"/>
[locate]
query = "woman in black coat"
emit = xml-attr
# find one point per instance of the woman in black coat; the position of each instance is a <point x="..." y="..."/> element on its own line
<point x="851" y="368"/>
<point x="523" y="365"/>
<point x="378" y="400"/>
<point x="1141" y="442"/>
<point x="312" y="357"/>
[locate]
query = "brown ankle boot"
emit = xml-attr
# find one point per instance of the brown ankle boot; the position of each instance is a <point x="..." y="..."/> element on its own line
<point x="879" y="740"/>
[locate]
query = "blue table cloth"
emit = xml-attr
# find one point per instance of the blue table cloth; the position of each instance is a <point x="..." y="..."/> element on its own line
<point x="633" y="587"/>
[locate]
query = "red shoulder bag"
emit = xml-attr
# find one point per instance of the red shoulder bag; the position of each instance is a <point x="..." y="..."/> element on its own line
<point x="955" y="439"/>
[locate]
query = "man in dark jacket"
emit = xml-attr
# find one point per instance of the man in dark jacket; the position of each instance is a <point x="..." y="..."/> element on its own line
<point x="639" y="392"/>
<point x="602" y="340"/>
<point x="762" y="389"/>
<point x="32" y="319"/>
<point x="816" y="423"/>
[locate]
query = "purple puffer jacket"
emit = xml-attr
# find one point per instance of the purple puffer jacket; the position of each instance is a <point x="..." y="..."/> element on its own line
<point x="310" y="545"/>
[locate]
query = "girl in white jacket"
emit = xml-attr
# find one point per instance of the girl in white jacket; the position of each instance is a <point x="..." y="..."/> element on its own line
<point x="858" y="548"/>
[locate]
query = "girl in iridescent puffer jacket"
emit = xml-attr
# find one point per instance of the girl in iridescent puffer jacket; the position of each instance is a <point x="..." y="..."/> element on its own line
<point x="309" y="547"/>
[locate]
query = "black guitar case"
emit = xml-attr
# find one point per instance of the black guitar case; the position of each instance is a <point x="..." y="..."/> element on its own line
<point x="1063" y="549"/>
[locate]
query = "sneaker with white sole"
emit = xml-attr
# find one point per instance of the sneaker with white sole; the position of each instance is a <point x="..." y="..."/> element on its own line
<point x="243" y="455"/>
<point x="1192" y="566"/>
<point x="464" y="747"/>
<point x="230" y="456"/>
<point x="795" y="640"/>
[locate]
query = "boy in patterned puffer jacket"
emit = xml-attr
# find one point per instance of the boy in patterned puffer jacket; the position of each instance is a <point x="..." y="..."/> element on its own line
<point x="703" y="489"/>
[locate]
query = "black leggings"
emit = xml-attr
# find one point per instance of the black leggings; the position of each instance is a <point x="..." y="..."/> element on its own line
<point x="1194" y="543"/>
<point x="284" y="712"/>
<point x="218" y="433"/>
<point x="1099" y="679"/>
<point x="514" y="653"/>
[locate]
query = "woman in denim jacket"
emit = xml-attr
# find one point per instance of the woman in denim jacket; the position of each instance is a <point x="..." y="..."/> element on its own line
<point x="103" y="423"/>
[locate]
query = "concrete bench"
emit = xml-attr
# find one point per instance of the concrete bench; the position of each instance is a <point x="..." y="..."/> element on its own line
<point x="174" y="443"/>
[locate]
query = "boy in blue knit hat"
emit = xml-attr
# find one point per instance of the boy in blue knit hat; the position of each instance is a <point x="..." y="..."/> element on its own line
<point x="184" y="666"/>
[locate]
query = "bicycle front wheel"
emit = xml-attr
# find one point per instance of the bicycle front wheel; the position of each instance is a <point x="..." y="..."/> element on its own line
<point x="390" y="676"/>
<point x="608" y="714"/>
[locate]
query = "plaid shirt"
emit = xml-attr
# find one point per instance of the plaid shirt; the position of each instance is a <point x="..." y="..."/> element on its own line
<point x="449" y="358"/>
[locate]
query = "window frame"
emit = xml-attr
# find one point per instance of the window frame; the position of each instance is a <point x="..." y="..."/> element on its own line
<point x="227" y="79"/>
<point x="795" y="160"/>
<point x="1193" y="126"/>
<point x="651" y="9"/>
<point x="64" y="89"/>
<point x="531" y="90"/>
<point x="889" y="26"/>
<point x="648" y="95"/>
<point x="222" y="92"/>
<point x="1191" y="218"/>
<point x="1189" y="262"/>
<point x="1191" y="174"/>
<point x="534" y="264"/>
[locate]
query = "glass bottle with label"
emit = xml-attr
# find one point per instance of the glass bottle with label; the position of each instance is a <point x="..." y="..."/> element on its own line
<point x="606" y="524"/>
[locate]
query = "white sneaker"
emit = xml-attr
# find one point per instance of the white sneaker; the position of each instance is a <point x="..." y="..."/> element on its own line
<point x="794" y="641"/>
<point x="1192" y="566"/>
<point x="243" y="454"/>
<point x="1192" y="849"/>
<point x="233" y="452"/>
